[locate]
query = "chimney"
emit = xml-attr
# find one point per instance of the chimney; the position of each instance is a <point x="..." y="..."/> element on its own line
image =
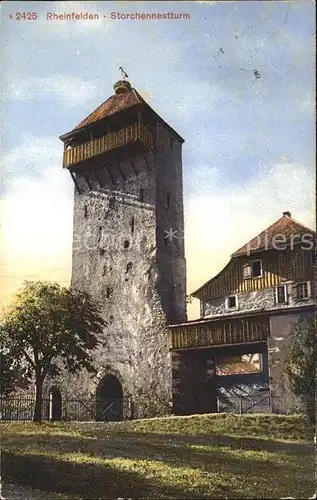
<point x="287" y="214"/>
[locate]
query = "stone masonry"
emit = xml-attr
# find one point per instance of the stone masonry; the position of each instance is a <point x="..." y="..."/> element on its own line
<point x="256" y="300"/>
<point x="122" y="257"/>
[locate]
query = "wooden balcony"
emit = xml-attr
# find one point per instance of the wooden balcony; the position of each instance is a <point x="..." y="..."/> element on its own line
<point x="218" y="332"/>
<point x="109" y="142"/>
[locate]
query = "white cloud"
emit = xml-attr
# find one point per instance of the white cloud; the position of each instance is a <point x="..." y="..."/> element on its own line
<point x="36" y="210"/>
<point x="70" y="90"/>
<point x="37" y="220"/>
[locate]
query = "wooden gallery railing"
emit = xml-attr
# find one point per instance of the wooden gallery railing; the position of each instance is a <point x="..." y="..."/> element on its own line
<point x="106" y="143"/>
<point x="238" y="331"/>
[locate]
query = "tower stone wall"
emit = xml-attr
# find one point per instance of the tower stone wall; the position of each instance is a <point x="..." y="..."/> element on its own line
<point x="123" y="257"/>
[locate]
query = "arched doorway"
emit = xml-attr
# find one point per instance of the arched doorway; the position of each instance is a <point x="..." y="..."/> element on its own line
<point x="109" y="399"/>
<point x="55" y="405"/>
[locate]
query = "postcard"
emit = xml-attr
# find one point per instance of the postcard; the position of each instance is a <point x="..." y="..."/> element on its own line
<point x="157" y="279"/>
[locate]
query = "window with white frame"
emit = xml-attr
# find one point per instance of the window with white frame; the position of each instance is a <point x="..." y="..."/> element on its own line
<point x="231" y="302"/>
<point x="256" y="266"/>
<point x="247" y="271"/>
<point x="302" y="290"/>
<point x="281" y="294"/>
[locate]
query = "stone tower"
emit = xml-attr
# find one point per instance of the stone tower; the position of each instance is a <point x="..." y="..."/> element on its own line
<point x="128" y="246"/>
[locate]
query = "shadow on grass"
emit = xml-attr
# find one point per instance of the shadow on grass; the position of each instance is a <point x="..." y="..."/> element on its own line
<point x="91" y="481"/>
<point x="254" y="444"/>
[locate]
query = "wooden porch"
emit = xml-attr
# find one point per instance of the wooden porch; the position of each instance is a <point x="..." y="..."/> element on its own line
<point x="220" y="332"/>
<point x="109" y="142"/>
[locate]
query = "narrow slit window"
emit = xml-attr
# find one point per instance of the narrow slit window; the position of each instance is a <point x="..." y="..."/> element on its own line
<point x="85" y="211"/>
<point x="132" y="224"/>
<point x="109" y="292"/>
<point x="167" y="200"/>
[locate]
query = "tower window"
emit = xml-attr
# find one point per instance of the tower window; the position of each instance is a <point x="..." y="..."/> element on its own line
<point x="85" y="211"/>
<point x="109" y="292"/>
<point x="141" y="195"/>
<point x="256" y="266"/>
<point x="104" y="270"/>
<point x="126" y="244"/>
<point x="132" y="224"/>
<point x="167" y="200"/>
<point x="129" y="267"/>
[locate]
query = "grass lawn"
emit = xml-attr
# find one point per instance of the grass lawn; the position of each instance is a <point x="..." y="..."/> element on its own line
<point x="202" y="456"/>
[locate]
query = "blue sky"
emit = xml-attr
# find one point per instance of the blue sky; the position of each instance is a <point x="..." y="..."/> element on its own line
<point x="249" y="149"/>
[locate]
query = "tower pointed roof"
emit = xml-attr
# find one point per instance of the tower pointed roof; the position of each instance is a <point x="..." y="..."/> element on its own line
<point x="124" y="98"/>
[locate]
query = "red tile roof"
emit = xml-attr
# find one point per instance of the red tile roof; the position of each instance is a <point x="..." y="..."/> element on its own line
<point x="285" y="226"/>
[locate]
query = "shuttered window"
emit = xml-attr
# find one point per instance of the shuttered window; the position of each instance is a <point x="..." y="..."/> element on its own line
<point x="302" y="291"/>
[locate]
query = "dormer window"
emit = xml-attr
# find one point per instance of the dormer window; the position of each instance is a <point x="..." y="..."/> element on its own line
<point x="231" y="302"/>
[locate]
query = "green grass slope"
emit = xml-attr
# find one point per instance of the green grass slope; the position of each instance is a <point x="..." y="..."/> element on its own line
<point x="202" y="456"/>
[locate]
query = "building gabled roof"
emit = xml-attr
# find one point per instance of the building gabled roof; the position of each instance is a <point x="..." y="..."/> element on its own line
<point x="115" y="104"/>
<point x="285" y="226"/>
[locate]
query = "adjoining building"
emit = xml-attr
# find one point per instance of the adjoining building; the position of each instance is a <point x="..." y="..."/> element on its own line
<point x="239" y="345"/>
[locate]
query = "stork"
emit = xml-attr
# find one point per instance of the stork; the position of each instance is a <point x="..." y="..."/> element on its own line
<point x="123" y="72"/>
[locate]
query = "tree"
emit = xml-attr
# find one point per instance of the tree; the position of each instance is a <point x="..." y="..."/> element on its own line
<point x="301" y="364"/>
<point x="49" y="329"/>
<point x="8" y="375"/>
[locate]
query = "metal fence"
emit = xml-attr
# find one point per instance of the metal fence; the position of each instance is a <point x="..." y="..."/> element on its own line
<point x="261" y="402"/>
<point x="21" y="408"/>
